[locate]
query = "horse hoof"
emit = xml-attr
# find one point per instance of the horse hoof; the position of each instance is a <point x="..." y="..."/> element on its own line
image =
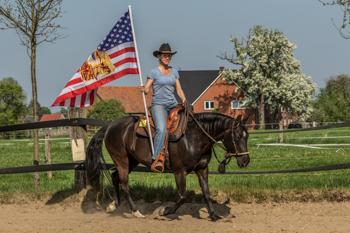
<point x="162" y="211"/>
<point x="111" y="207"/>
<point x="215" y="217"/>
<point x="137" y="214"/>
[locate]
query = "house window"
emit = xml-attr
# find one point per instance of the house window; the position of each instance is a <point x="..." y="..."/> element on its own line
<point x="208" y="105"/>
<point x="236" y="104"/>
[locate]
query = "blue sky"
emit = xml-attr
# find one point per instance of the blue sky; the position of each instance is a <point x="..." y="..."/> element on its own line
<point x="198" y="30"/>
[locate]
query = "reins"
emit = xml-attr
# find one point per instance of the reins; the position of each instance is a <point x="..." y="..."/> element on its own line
<point x="227" y="155"/>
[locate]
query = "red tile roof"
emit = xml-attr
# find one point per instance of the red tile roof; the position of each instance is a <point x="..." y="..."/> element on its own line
<point x="51" y="117"/>
<point x="131" y="97"/>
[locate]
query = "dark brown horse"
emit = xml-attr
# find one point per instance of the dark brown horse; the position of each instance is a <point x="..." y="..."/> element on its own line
<point x="192" y="152"/>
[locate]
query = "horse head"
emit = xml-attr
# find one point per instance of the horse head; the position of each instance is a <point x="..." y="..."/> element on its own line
<point x="235" y="141"/>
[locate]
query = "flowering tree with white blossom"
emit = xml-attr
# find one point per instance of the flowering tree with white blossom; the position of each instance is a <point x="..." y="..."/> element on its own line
<point x="270" y="74"/>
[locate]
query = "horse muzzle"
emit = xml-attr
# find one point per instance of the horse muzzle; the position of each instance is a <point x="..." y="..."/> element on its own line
<point x="243" y="160"/>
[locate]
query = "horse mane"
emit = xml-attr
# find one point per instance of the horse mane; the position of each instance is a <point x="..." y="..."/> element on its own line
<point x="213" y="122"/>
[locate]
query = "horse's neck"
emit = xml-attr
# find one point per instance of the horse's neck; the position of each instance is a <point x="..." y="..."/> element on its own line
<point x="214" y="124"/>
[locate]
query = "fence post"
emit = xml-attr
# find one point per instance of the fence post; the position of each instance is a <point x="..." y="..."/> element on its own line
<point x="281" y="134"/>
<point x="47" y="152"/>
<point x="79" y="142"/>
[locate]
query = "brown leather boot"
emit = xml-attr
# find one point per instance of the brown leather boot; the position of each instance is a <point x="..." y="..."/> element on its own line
<point x="159" y="166"/>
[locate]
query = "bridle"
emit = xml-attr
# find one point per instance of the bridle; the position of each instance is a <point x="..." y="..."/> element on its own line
<point x="227" y="155"/>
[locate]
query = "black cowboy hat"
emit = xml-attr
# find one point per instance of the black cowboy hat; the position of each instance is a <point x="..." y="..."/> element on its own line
<point x="164" y="48"/>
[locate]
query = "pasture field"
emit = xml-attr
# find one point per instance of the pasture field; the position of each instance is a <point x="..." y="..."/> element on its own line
<point x="325" y="147"/>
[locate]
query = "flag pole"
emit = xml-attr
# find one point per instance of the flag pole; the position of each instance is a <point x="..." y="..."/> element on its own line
<point x="139" y="68"/>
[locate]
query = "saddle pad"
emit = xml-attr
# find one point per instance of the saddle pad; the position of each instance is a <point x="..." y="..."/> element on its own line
<point x="175" y="128"/>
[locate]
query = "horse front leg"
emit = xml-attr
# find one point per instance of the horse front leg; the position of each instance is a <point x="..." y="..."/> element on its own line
<point x="180" y="179"/>
<point x="203" y="181"/>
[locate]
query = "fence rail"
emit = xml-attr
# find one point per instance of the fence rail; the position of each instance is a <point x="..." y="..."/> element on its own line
<point x="81" y="166"/>
<point x="56" y="123"/>
<point x="338" y="125"/>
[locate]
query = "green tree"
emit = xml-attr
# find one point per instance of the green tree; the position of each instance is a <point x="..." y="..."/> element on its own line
<point x="31" y="109"/>
<point x="332" y="104"/>
<point x="41" y="110"/>
<point x="345" y="8"/>
<point x="270" y="74"/>
<point x="108" y="110"/>
<point x="64" y="111"/>
<point x="12" y="101"/>
<point x="45" y="110"/>
<point x="34" y="23"/>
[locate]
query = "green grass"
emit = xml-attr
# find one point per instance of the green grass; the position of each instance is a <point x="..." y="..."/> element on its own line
<point x="152" y="186"/>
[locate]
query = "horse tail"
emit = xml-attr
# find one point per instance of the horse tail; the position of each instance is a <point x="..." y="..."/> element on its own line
<point x="93" y="159"/>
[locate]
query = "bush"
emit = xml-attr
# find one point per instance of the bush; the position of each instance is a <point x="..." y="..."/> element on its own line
<point x="216" y="110"/>
<point x="108" y="110"/>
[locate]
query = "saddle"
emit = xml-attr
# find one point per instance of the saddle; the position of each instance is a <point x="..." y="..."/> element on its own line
<point x="176" y="127"/>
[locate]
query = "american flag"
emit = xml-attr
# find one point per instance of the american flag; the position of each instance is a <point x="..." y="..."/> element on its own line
<point x="113" y="58"/>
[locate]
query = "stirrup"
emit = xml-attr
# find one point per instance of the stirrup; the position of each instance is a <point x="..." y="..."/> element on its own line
<point x="158" y="166"/>
<point x="160" y="158"/>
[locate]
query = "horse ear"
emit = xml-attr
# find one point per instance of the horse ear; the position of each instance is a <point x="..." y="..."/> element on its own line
<point x="238" y="120"/>
<point x="245" y="119"/>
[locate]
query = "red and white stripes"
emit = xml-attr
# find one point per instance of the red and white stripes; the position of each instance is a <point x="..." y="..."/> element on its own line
<point x="81" y="93"/>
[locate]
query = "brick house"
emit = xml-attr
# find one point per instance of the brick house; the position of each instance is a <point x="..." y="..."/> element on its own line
<point x="205" y="90"/>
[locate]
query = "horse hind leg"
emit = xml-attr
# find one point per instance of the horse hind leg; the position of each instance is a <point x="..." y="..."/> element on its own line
<point x="116" y="195"/>
<point x="124" y="167"/>
<point x="124" y="184"/>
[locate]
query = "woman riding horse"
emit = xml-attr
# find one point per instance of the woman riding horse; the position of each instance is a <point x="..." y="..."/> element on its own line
<point x="192" y="152"/>
<point x="164" y="79"/>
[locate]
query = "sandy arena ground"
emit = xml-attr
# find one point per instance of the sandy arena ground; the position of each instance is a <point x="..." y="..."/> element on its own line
<point x="285" y="217"/>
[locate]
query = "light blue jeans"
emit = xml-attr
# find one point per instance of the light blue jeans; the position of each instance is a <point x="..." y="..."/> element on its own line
<point x="159" y="115"/>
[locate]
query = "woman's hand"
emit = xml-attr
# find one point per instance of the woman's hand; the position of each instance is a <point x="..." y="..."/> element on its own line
<point x="142" y="88"/>
<point x="146" y="88"/>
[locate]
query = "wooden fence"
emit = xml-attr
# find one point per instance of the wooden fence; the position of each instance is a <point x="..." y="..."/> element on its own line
<point x="80" y="166"/>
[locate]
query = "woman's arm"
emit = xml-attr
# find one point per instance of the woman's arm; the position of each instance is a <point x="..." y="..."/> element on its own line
<point x="146" y="88"/>
<point x="179" y="91"/>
